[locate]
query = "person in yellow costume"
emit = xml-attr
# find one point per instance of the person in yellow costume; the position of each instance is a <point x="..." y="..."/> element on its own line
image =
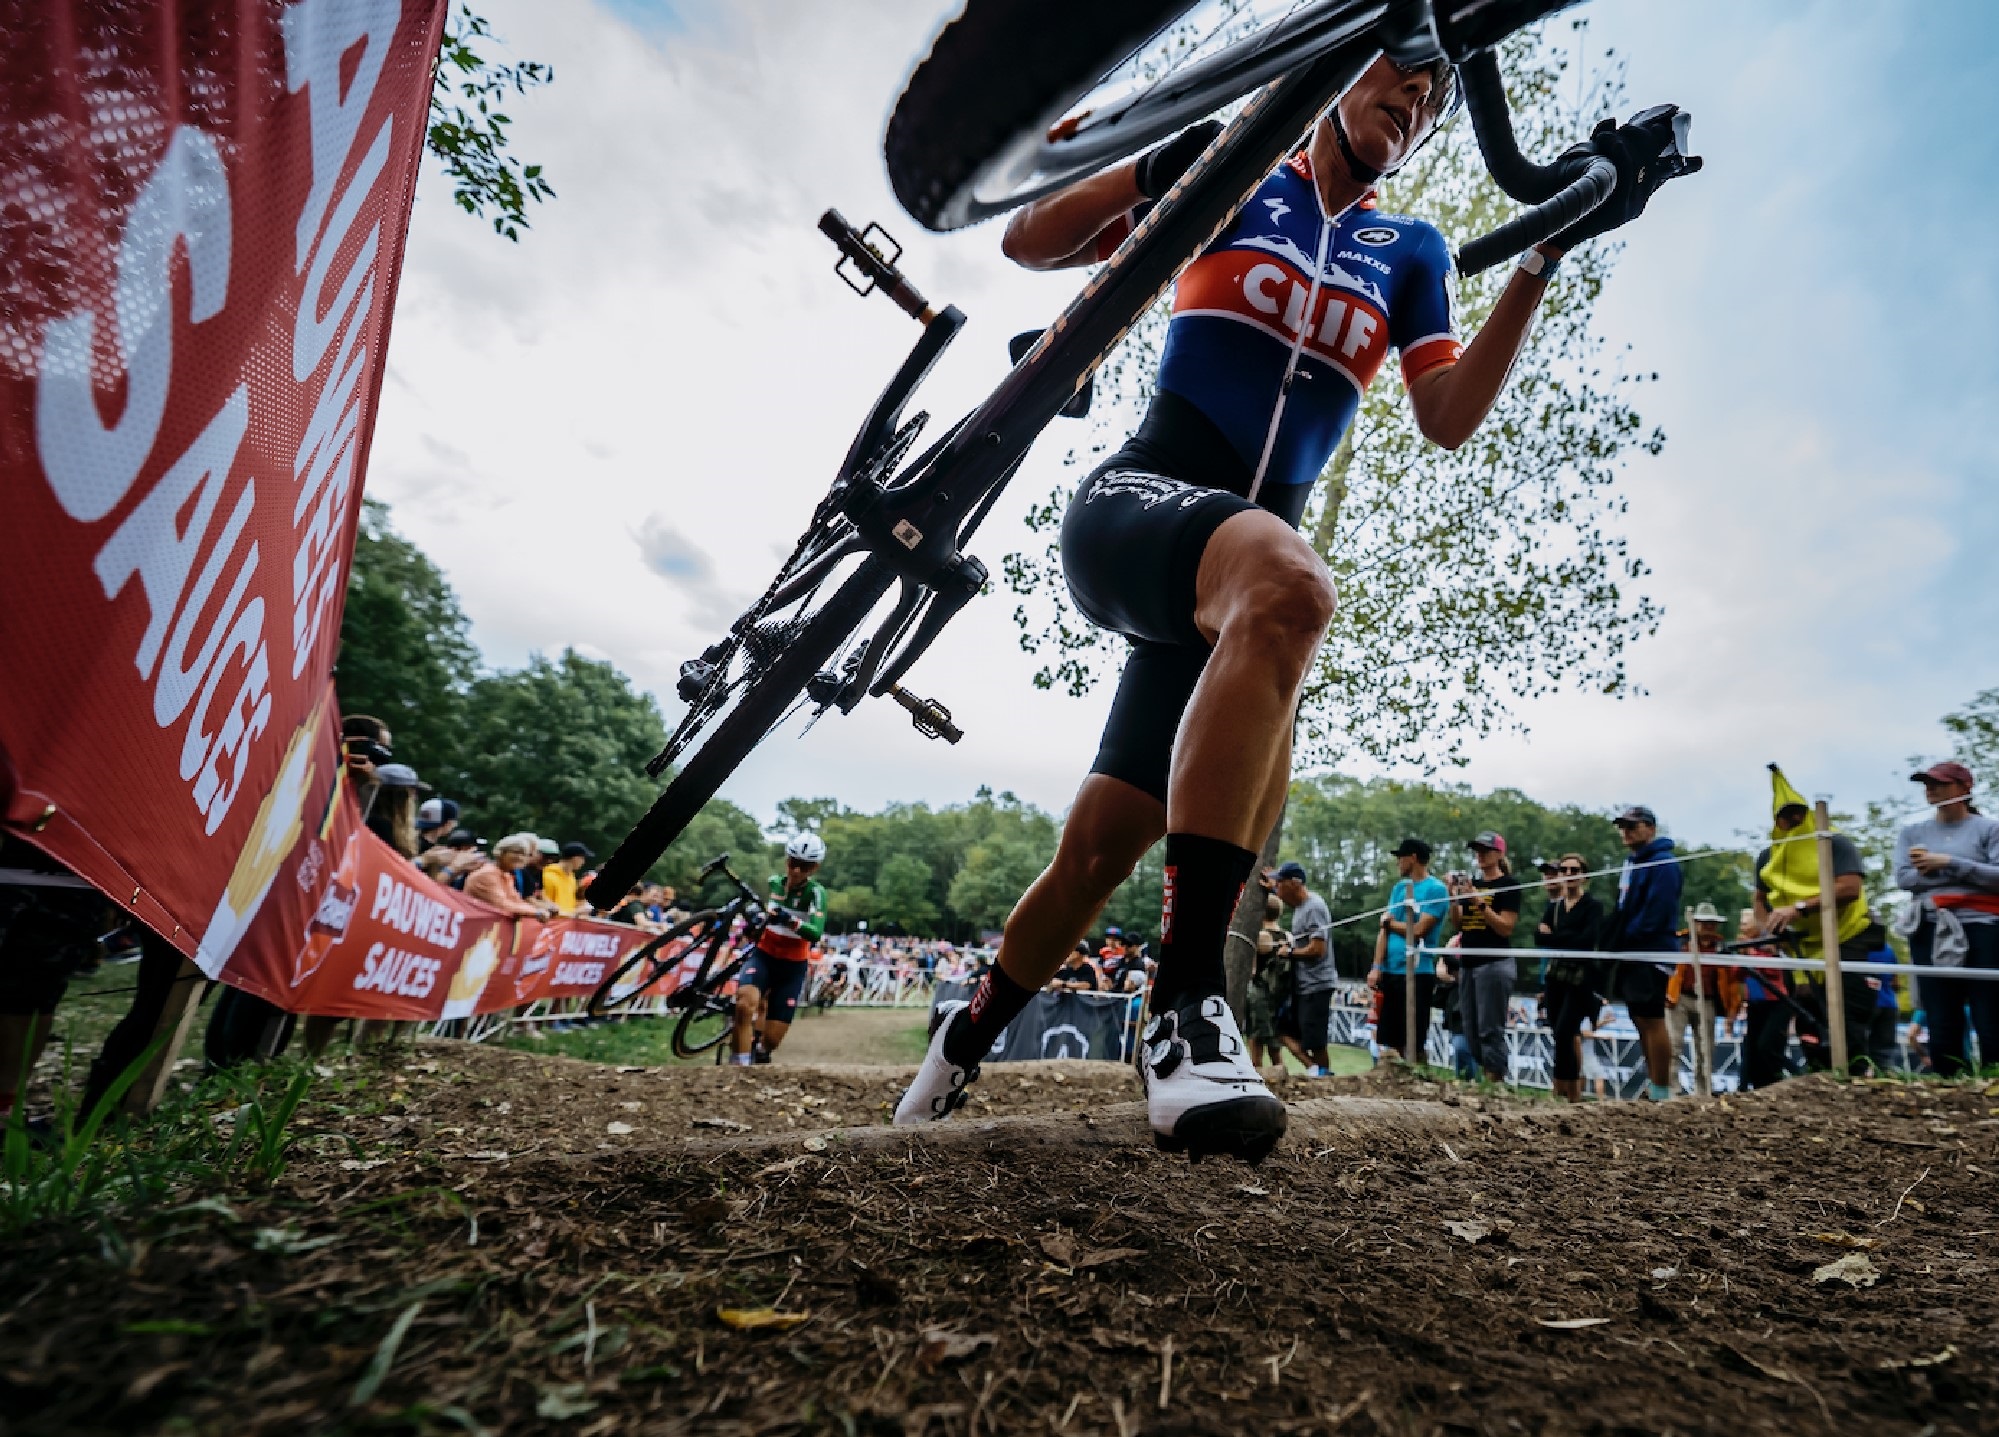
<point x="1788" y="901"/>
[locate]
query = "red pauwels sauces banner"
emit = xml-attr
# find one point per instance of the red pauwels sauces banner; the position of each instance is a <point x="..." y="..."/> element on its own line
<point x="202" y="215"/>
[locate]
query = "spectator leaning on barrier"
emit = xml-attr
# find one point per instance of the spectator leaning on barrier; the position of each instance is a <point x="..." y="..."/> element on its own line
<point x="1788" y="901"/>
<point x="1486" y="907"/>
<point x="1078" y="974"/>
<point x="1313" y="975"/>
<point x="558" y="879"/>
<point x="492" y="883"/>
<point x="1417" y="908"/>
<point x="1646" y="920"/>
<point x="1572" y="989"/>
<point x="1949" y="863"/>
<point x="1683" y="1008"/>
<point x="1766" y="1013"/>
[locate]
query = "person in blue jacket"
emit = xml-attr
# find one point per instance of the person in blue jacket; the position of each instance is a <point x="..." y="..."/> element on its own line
<point x="1646" y="921"/>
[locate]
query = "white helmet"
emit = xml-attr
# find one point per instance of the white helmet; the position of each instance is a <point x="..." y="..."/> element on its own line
<point x="806" y="848"/>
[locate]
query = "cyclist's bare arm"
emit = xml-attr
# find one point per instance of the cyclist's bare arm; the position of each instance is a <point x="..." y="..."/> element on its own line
<point x="1451" y="403"/>
<point x="1060" y="231"/>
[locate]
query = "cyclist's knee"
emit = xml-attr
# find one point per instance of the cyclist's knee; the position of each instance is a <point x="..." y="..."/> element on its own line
<point x="748" y="1000"/>
<point x="1262" y="579"/>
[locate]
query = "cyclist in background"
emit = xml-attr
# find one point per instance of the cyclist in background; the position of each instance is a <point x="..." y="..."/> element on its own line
<point x="1186" y="542"/>
<point x="773" y="973"/>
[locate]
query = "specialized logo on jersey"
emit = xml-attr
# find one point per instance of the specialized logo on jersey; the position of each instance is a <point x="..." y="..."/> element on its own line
<point x="1265" y="281"/>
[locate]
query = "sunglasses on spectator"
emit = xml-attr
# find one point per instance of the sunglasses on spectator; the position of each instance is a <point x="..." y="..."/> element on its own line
<point x="1577" y="872"/>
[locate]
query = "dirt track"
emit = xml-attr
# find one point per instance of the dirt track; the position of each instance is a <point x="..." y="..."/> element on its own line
<point x="1054" y="1275"/>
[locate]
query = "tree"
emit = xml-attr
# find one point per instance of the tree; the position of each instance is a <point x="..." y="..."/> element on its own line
<point x="468" y="129"/>
<point x="995" y="873"/>
<point x="1467" y="579"/>
<point x="902" y="893"/>
<point x="560" y="748"/>
<point x="406" y="652"/>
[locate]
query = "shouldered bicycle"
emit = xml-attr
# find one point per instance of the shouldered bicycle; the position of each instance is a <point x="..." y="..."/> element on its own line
<point x="1017" y="99"/>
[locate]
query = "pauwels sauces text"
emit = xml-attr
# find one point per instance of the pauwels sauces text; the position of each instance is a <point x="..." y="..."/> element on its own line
<point x="191" y="535"/>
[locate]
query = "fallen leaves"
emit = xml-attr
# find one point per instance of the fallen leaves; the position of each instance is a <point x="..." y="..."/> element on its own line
<point x="1480" y="1229"/>
<point x="619" y="1130"/>
<point x="1854" y="1269"/>
<point x="1845" y="1239"/>
<point x="1570" y="1324"/>
<point x="754" y="1318"/>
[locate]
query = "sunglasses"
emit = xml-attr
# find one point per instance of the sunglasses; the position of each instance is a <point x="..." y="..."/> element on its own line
<point x="1572" y="872"/>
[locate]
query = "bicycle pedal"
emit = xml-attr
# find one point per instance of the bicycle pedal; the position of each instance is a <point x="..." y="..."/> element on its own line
<point x="930" y="718"/>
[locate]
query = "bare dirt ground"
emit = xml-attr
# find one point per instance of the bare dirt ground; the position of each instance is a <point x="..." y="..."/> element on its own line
<point x="478" y="1240"/>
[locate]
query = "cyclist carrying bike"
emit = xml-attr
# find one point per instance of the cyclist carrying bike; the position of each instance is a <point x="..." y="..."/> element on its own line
<point x="1185" y="541"/>
<point x="772" y="979"/>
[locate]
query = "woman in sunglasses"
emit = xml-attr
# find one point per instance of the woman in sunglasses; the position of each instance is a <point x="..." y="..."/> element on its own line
<point x="1573" y="992"/>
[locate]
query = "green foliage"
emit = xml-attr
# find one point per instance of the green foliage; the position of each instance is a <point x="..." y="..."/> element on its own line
<point x="468" y="129"/>
<point x="1467" y="579"/>
<point x="232" y="1127"/>
<point x="406" y="651"/>
<point x="1344" y="830"/>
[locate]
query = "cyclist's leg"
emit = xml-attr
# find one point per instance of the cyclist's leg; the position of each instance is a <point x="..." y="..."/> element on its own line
<point x="1119" y="812"/>
<point x="749" y="1004"/>
<point x="1263" y="599"/>
<point x="784" y="986"/>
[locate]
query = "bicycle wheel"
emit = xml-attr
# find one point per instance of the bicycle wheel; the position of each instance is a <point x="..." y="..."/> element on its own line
<point x="761" y="704"/>
<point x="1018" y="98"/>
<point x="638" y="975"/>
<point x="708" y="1019"/>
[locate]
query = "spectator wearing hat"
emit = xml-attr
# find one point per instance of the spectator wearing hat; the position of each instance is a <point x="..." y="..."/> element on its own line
<point x="1723" y="985"/>
<point x="528" y="876"/>
<point x="1646" y="920"/>
<point x="435" y="819"/>
<point x="1418" y="906"/>
<point x="1788" y="901"/>
<point x="1949" y="864"/>
<point x="558" y="879"/>
<point x="1313" y="976"/>
<point x="1078" y="974"/>
<point x="452" y="858"/>
<point x="390" y="808"/>
<point x="1572" y="988"/>
<point x="1486" y="908"/>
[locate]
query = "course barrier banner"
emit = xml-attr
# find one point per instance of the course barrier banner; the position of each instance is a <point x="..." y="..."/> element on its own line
<point x="202" y="214"/>
<point x="1057" y="1025"/>
<point x="353" y="929"/>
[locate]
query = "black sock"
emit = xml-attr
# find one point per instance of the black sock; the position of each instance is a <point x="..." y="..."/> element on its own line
<point x="1204" y="879"/>
<point x="996" y="1002"/>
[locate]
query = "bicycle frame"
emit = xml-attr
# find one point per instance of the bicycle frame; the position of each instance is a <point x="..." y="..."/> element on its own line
<point x="914" y="527"/>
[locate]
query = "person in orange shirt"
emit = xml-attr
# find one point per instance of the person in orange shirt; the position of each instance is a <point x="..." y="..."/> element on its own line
<point x="1725" y="993"/>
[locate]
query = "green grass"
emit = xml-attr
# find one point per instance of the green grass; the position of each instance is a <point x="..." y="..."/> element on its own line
<point x="644" y="1042"/>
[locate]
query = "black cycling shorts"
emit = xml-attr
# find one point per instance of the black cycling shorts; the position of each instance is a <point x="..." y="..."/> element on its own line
<point x="780" y="980"/>
<point x="1132" y="542"/>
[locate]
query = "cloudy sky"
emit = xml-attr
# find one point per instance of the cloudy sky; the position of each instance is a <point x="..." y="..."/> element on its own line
<point x="607" y="434"/>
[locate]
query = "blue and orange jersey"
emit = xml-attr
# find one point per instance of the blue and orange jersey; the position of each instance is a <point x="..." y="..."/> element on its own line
<point x="1239" y="308"/>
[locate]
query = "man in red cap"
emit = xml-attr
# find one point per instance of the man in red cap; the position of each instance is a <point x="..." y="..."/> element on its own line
<point x="1949" y="863"/>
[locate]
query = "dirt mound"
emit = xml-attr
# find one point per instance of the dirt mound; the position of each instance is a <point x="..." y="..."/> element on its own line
<point x="1400" y="1265"/>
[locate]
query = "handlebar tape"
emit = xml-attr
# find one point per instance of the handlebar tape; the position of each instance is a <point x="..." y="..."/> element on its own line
<point x="1585" y="193"/>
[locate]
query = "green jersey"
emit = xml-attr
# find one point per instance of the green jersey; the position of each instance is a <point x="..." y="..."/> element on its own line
<point x="791" y="933"/>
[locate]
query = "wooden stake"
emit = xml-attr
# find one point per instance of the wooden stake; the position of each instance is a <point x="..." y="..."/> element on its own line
<point x="1835" y="989"/>
<point x="1703" y="1077"/>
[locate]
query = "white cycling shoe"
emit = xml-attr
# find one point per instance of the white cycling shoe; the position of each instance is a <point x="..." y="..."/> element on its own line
<point x="1203" y="1097"/>
<point x="939" y="1087"/>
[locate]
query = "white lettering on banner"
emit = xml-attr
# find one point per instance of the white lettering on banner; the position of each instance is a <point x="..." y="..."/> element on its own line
<point x="90" y="467"/>
<point x="318" y="35"/>
<point x="578" y="975"/>
<point x="392" y="970"/>
<point x="590" y="945"/>
<point x="410" y="912"/>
